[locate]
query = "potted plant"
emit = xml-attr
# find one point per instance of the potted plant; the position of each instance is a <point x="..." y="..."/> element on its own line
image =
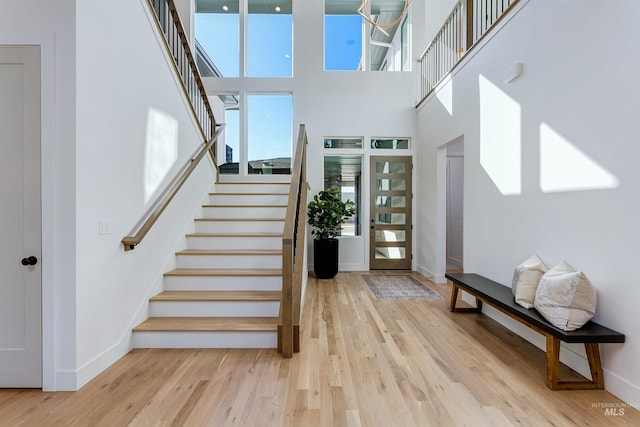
<point x="327" y="212"/>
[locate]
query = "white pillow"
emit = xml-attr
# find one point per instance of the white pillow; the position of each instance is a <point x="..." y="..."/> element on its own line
<point x="526" y="277"/>
<point x="565" y="297"/>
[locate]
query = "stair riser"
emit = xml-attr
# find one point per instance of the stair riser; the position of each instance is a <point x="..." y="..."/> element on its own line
<point x="214" y="309"/>
<point x="234" y="242"/>
<point x="229" y="261"/>
<point x="252" y="199"/>
<point x="222" y="283"/>
<point x="205" y="340"/>
<point x="252" y="188"/>
<point x="243" y="212"/>
<point x="239" y="226"/>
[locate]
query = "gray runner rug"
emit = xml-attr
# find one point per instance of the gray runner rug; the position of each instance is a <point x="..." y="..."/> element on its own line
<point x="398" y="287"/>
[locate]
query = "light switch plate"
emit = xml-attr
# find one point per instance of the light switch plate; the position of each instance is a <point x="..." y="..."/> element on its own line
<point x="104" y="227"/>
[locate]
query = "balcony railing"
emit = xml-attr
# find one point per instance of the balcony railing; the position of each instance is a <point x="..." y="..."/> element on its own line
<point x="467" y="24"/>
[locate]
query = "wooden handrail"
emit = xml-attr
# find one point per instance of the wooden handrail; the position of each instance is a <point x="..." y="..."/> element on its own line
<point x="467" y="24"/>
<point x="184" y="64"/>
<point x="177" y="44"/>
<point x="293" y="249"/>
<point x="160" y="204"/>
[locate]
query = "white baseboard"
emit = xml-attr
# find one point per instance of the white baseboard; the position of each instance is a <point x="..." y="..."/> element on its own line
<point x="100" y="363"/>
<point x="436" y="278"/>
<point x="353" y="267"/>
<point x="346" y="267"/>
<point x="623" y="389"/>
<point x="65" y="381"/>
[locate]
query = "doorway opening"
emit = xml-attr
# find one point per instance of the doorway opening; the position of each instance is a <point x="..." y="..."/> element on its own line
<point x="455" y="205"/>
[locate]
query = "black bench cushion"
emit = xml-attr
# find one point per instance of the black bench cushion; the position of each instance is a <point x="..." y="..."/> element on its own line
<point x="502" y="297"/>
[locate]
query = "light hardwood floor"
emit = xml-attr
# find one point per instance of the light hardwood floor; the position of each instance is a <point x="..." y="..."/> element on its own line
<point x="364" y="362"/>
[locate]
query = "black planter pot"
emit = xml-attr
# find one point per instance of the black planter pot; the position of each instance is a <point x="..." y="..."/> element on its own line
<point x="325" y="258"/>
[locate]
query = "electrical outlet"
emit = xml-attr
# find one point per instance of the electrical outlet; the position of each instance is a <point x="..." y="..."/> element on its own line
<point x="104" y="227"/>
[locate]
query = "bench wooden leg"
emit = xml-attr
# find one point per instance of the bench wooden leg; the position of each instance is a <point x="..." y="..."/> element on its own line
<point x="553" y="366"/>
<point x="454" y="296"/>
<point x="553" y="361"/>
<point x="454" y="300"/>
<point x="595" y="365"/>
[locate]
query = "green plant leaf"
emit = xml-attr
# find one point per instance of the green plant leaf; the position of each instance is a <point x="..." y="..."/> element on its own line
<point x="326" y="212"/>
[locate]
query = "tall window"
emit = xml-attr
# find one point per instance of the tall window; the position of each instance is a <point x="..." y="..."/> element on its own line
<point x="344" y="172"/>
<point x="220" y="45"/>
<point x="342" y="36"/>
<point x="217" y="22"/>
<point x="269" y="39"/>
<point x="228" y="151"/>
<point x="353" y="43"/>
<point x="404" y="39"/>
<point x="269" y="133"/>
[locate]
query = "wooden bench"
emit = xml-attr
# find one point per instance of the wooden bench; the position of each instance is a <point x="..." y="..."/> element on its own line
<point x="501" y="297"/>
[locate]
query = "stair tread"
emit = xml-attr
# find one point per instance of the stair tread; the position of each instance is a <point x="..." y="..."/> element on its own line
<point x="250" y="194"/>
<point x="208" y="324"/>
<point x="254" y="182"/>
<point x="235" y="272"/>
<point x="196" y="296"/>
<point x="239" y="234"/>
<point x="240" y="219"/>
<point x="244" y="206"/>
<point x="230" y="252"/>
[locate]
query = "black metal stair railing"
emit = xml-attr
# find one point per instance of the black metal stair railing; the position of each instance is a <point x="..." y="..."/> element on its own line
<point x="177" y="44"/>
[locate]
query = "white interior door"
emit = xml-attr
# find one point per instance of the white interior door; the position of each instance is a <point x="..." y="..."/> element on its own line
<point x="20" y="218"/>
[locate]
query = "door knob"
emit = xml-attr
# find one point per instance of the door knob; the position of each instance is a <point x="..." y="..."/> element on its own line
<point x="30" y="260"/>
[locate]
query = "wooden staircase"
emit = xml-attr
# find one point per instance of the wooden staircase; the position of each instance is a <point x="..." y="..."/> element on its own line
<point x="225" y="289"/>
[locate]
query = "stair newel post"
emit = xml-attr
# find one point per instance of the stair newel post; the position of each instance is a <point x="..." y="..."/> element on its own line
<point x="299" y="268"/>
<point x="285" y="331"/>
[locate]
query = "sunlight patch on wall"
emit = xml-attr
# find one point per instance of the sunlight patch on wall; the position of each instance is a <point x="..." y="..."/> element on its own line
<point x="563" y="167"/>
<point x="161" y="150"/>
<point x="500" y="138"/>
<point x="445" y="94"/>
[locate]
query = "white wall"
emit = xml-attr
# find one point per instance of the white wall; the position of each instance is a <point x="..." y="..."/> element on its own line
<point x="129" y="107"/>
<point x="577" y="91"/>
<point x="52" y="26"/>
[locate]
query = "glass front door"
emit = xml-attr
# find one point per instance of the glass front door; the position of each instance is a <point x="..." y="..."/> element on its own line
<point x="390" y="227"/>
